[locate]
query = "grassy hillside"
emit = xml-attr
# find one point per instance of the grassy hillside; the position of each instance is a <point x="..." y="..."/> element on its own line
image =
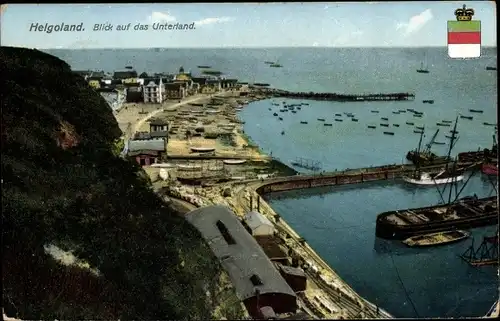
<point x="63" y="184"/>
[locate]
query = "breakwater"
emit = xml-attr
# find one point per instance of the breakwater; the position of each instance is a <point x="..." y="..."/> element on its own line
<point x="354" y="176"/>
<point x="339" y="97"/>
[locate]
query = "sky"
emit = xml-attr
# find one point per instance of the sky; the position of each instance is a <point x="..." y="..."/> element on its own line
<point x="364" y="24"/>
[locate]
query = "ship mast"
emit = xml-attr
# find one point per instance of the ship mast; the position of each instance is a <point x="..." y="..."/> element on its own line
<point x="454" y="169"/>
<point x="417" y="163"/>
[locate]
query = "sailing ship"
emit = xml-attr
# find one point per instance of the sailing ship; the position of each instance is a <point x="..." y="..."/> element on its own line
<point x="485" y="254"/>
<point x="445" y="176"/>
<point x="425" y="156"/>
<point x="275" y="65"/>
<point x="423" y="70"/>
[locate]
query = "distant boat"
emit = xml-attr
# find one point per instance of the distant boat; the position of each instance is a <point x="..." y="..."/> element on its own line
<point x="429" y="101"/>
<point x="275" y="65"/>
<point x="327" y="124"/>
<point x="476" y="111"/>
<point x="488" y="124"/>
<point x="410" y="123"/>
<point x="338" y="115"/>
<point x="423" y="70"/>
<point x="303" y="122"/>
<point x="418" y="131"/>
<point x="280" y="118"/>
<point x="234" y="161"/>
<point x="337" y="119"/>
<point x="466" y="117"/>
<point x="375" y="111"/>
<point x="384" y="125"/>
<point x="491" y="68"/>
<point x="204" y="67"/>
<point x="283" y="132"/>
<point x="439" y="143"/>
<point x="129" y="67"/>
<point x="188" y="167"/>
<point x="275" y="114"/>
<point x="417" y="115"/>
<point x="396" y="112"/>
<point x="354" y="119"/>
<point x="294" y="112"/>
<point x="419" y="127"/>
<point x="384" y="118"/>
<point x="439" y="238"/>
<point x="389" y="133"/>
<point x="443" y="125"/>
<point x="269" y="62"/>
<point x="402" y="110"/>
<point x="446" y="121"/>
<point x="371" y="126"/>
<point x="395" y="125"/>
<point x="321" y="119"/>
<point x="269" y="108"/>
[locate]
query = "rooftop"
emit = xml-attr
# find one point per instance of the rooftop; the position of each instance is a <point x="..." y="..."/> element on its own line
<point x="149" y="144"/>
<point x="255" y="219"/>
<point x="158" y="122"/>
<point x="125" y="74"/>
<point x="240" y="255"/>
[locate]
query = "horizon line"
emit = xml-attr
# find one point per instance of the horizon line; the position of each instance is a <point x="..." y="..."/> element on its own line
<point x="245" y="47"/>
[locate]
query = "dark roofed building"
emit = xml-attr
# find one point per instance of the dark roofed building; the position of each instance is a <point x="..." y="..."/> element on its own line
<point x="175" y="90"/>
<point x="125" y="74"/>
<point x="199" y="80"/>
<point x="146" y="151"/>
<point x="158" y="125"/>
<point x="295" y="277"/>
<point x="98" y="74"/>
<point x="256" y="281"/>
<point x="272" y="248"/>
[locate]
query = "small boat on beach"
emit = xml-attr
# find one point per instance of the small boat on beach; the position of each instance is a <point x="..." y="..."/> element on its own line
<point x="371" y="126"/>
<point x="410" y="123"/>
<point x="476" y="111"/>
<point x="234" y="161"/>
<point x="188" y="167"/>
<point x="202" y="149"/>
<point x="327" y="124"/>
<point x="389" y="133"/>
<point x="321" y="119"/>
<point x="303" y="122"/>
<point x="439" y="238"/>
<point x="384" y="125"/>
<point x="428" y="101"/>
<point x="466" y="117"/>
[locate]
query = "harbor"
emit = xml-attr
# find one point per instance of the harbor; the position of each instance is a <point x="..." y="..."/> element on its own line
<point x="270" y="150"/>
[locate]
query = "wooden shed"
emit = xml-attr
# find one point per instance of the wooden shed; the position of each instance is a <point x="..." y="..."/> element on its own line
<point x="295" y="277"/>
<point x="258" y="224"/>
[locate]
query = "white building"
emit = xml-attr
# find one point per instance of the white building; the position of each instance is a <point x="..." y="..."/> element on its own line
<point x="154" y="91"/>
<point x="259" y="224"/>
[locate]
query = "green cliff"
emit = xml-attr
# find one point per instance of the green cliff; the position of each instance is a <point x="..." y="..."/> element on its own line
<point x="63" y="185"/>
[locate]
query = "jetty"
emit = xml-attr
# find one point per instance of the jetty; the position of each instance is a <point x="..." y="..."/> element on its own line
<point x="339" y="97"/>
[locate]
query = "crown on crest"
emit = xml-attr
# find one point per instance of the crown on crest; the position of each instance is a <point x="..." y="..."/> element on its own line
<point x="464" y="14"/>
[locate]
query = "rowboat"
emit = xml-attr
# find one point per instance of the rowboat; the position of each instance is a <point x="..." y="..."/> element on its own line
<point x="439" y="238"/>
<point x="188" y="167"/>
<point x="202" y="149"/>
<point x="234" y="161"/>
<point x="489" y="169"/>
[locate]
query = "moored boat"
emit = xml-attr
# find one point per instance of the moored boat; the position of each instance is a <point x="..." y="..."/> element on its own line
<point x="384" y="118"/>
<point x="395" y="125"/>
<point x="375" y="111"/>
<point x="384" y="125"/>
<point x="389" y="133"/>
<point x="354" y="119"/>
<point x="321" y="119"/>
<point x="433" y="179"/>
<point x="202" y="149"/>
<point x="489" y="169"/>
<point x="439" y="238"/>
<point x="466" y="117"/>
<point x="428" y="101"/>
<point x="327" y="124"/>
<point x="337" y="119"/>
<point x="303" y="122"/>
<point x="476" y="111"/>
<point x="410" y="123"/>
<point x="371" y="126"/>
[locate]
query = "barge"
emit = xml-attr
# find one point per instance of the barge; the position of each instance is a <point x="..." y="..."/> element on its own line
<point x="465" y="213"/>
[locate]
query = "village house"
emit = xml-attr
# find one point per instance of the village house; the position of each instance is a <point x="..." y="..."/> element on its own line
<point x="184" y="78"/>
<point x="147" y="151"/>
<point x="211" y="86"/>
<point x="128" y="76"/>
<point x="158" y="125"/>
<point x="133" y="93"/>
<point x="154" y="91"/>
<point x="229" y="83"/>
<point x="175" y="91"/>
